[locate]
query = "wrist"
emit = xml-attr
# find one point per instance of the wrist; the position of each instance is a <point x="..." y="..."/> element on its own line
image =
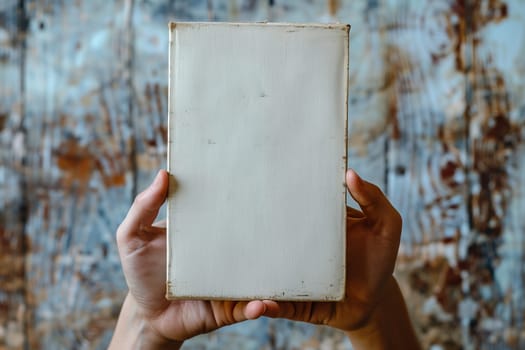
<point x="134" y="332"/>
<point x="150" y="339"/>
<point x="372" y="323"/>
<point x="389" y="325"/>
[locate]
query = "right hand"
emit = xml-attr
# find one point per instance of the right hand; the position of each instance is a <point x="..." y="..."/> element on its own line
<point x="373" y="236"/>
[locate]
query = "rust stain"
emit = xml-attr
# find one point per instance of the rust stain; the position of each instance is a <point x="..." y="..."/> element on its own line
<point x="164" y="132"/>
<point x="3" y="120"/>
<point x="114" y="180"/>
<point x="498" y="127"/>
<point x="333" y="6"/>
<point x="75" y="161"/>
<point x="78" y="164"/>
<point x="159" y="97"/>
<point x="392" y="116"/>
<point x="12" y="283"/>
<point x="154" y="95"/>
<point x="448" y="172"/>
<point x="494" y="141"/>
<point x="488" y="11"/>
<point x="498" y="139"/>
<point x="397" y="67"/>
<point x="459" y="32"/>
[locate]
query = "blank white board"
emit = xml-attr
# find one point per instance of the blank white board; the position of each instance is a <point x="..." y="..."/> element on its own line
<point x="257" y="159"/>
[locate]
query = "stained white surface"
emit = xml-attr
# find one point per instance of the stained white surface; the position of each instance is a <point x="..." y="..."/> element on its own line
<point x="257" y="149"/>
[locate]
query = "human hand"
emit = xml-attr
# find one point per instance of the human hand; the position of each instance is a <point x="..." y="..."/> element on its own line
<point x="373" y="237"/>
<point x="147" y="316"/>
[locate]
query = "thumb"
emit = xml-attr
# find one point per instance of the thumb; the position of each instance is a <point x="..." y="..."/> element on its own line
<point x="144" y="210"/>
<point x="370" y="198"/>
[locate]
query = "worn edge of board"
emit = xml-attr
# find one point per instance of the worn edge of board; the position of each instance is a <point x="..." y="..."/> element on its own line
<point x="172" y="183"/>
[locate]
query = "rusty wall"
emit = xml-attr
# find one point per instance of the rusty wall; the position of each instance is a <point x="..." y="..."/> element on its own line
<point x="437" y="114"/>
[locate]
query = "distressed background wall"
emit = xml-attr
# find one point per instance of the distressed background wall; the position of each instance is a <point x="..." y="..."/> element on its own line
<point x="437" y="118"/>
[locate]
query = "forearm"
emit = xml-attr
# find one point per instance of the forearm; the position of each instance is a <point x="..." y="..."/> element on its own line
<point x="389" y="327"/>
<point x="132" y="332"/>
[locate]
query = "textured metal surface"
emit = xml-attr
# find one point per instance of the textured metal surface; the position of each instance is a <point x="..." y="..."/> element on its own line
<point x="437" y="113"/>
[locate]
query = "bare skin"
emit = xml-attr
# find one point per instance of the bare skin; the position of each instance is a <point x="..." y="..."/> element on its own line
<point x="373" y="314"/>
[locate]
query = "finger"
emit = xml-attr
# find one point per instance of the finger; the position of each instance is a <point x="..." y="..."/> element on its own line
<point x="370" y="198"/>
<point x="230" y="312"/>
<point x="278" y="309"/>
<point x="254" y="309"/>
<point x="297" y="311"/>
<point x="311" y="312"/>
<point x="271" y="308"/>
<point x="145" y="208"/>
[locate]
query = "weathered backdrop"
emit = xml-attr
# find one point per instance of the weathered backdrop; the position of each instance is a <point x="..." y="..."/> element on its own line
<point x="437" y="118"/>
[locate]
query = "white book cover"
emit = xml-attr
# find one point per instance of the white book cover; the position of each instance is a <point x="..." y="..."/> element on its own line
<point x="257" y="159"/>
